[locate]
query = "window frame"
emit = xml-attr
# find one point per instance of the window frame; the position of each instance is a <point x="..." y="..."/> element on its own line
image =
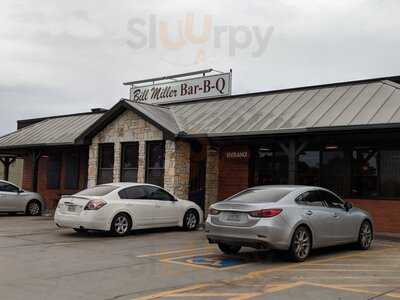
<point x="100" y="160"/>
<point x="148" y="168"/>
<point x="123" y="155"/>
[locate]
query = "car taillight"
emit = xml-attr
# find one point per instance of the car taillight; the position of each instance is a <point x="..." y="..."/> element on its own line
<point x="213" y="212"/>
<point x="95" y="204"/>
<point x="266" y="213"/>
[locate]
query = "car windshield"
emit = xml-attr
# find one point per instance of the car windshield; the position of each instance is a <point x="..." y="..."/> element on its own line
<point x="260" y="195"/>
<point x="100" y="190"/>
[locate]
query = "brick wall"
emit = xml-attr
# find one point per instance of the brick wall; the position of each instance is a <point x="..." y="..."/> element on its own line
<point x="233" y="170"/>
<point x="386" y="213"/>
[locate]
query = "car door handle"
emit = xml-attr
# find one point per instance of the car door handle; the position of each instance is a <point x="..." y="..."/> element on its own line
<point x="335" y="215"/>
<point x="309" y="212"/>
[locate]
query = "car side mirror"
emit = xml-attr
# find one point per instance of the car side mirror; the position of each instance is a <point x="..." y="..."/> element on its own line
<point x="348" y="206"/>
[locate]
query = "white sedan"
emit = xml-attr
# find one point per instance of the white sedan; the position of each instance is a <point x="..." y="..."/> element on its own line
<point x="122" y="207"/>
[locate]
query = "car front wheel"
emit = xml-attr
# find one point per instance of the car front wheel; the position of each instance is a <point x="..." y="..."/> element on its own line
<point x="301" y="244"/>
<point x="191" y="220"/>
<point x="33" y="208"/>
<point x="365" y="236"/>
<point x="121" y="225"/>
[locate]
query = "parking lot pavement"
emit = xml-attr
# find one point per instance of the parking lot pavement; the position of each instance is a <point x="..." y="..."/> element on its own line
<point x="40" y="261"/>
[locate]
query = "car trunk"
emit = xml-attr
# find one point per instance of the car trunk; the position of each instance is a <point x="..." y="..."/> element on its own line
<point x="73" y="204"/>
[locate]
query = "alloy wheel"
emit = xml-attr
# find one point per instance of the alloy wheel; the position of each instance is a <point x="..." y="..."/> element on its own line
<point x="34" y="209"/>
<point x="365" y="235"/>
<point x="191" y="220"/>
<point x="302" y="243"/>
<point x="121" y="225"/>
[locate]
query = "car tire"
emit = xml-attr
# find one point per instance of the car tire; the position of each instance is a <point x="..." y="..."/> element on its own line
<point x="190" y="220"/>
<point x="365" y="236"/>
<point x="81" y="230"/>
<point x="34" y="208"/>
<point x="121" y="225"/>
<point x="229" y="249"/>
<point x="301" y="244"/>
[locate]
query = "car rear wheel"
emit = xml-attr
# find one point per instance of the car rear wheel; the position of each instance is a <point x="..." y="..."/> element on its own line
<point x="301" y="244"/>
<point x="191" y="220"/>
<point x="33" y="208"/>
<point x="121" y="224"/>
<point x="365" y="236"/>
<point x="229" y="249"/>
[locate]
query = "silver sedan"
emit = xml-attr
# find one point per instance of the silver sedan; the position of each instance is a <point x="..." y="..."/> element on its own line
<point x="13" y="199"/>
<point x="292" y="218"/>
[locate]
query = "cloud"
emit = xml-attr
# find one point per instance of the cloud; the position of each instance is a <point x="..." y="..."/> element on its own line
<point x="68" y="56"/>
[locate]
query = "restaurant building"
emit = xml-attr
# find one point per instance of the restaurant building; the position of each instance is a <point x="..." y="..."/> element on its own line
<point x="342" y="136"/>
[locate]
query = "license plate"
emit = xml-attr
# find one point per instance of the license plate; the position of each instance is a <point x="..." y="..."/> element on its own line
<point x="71" y="208"/>
<point x="234" y="217"/>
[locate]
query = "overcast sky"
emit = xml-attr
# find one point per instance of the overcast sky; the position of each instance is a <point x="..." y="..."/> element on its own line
<point x="62" y="57"/>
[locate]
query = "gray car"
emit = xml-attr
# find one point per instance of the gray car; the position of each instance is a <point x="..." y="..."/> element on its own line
<point x="292" y="218"/>
<point x="13" y="199"/>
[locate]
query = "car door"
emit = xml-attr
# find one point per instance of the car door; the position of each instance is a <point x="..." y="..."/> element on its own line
<point x="9" y="197"/>
<point x="318" y="216"/>
<point x="166" y="212"/>
<point x="136" y="200"/>
<point x="344" y="226"/>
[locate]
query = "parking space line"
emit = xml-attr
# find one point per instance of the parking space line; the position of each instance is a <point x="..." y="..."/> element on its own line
<point x="232" y="296"/>
<point x="174" y="252"/>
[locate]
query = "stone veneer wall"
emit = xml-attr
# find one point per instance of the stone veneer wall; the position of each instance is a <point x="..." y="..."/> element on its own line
<point x="177" y="168"/>
<point x="212" y="174"/>
<point x="128" y="127"/>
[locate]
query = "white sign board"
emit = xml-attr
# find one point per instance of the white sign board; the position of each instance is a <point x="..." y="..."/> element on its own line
<point x="183" y="90"/>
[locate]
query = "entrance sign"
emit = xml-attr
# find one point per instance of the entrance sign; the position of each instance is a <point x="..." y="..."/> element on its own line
<point x="182" y="90"/>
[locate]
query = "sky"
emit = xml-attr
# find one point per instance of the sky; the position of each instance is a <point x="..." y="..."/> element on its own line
<point x="60" y="57"/>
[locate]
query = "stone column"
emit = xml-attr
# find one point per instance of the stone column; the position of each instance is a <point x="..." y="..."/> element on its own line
<point x="92" y="164"/>
<point x="177" y="168"/>
<point x="142" y="162"/>
<point x="212" y="172"/>
<point x="117" y="162"/>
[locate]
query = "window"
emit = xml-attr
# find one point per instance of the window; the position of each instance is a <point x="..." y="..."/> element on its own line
<point x="106" y="163"/>
<point x="137" y="192"/>
<point x="333" y="172"/>
<point x="364" y="181"/>
<point x="99" y="190"/>
<point x="53" y="171"/>
<point x="270" y="167"/>
<point x="310" y="198"/>
<point x="156" y="193"/>
<point x="268" y="195"/>
<point x="5" y="187"/>
<point x="389" y="163"/>
<point x="71" y="171"/>
<point x="331" y="200"/>
<point x="155" y="154"/>
<point x="129" y="162"/>
<point x="308" y="168"/>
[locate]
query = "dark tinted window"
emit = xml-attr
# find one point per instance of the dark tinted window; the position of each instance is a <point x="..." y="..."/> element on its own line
<point x="100" y="190"/>
<point x="389" y="162"/>
<point x="155" y="154"/>
<point x="333" y="173"/>
<point x="364" y="180"/>
<point x="5" y="187"/>
<point x="331" y="200"/>
<point x="270" y="166"/>
<point x="129" y="162"/>
<point x="136" y="192"/>
<point x="53" y="171"/>
<point x="71" y="171"/>
<point x="156" y="193"/>
<point x="260" y="195"/>
<point x="308" y="167"/>
<point x="310" y="198"/>
<point x="106" y="163"/>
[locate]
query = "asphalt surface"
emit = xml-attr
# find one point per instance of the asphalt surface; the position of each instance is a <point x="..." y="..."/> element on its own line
<point x="41" y="261"/>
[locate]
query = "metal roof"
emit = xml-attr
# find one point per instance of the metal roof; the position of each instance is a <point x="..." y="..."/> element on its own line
<point x="344" y="105"/>
<point x="63" y="130"/>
